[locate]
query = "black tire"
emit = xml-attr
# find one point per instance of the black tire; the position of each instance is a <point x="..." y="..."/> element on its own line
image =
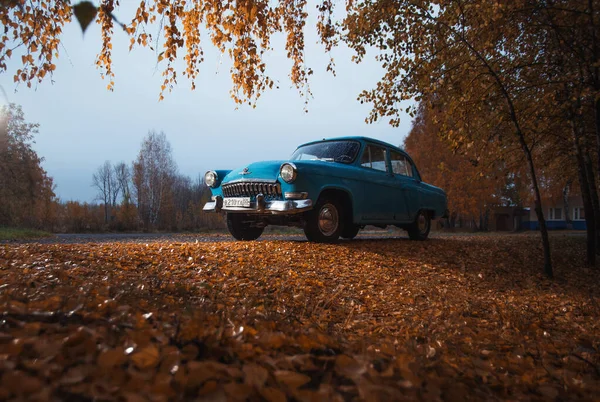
<point x="420" y="228"/>
<point x="324" y="223"/>
<point x="240" y="229"/>
<point x="350" y="231"/>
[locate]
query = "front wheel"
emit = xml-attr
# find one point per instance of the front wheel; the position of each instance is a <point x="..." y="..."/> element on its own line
<point x="420" y="228"/>
<point x="241" y="229"/>
<point x="350" y="231"/>
<point x="324" y="221"/>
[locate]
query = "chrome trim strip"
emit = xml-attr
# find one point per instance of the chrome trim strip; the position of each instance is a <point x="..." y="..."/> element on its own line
<point x="296" y="195"/>
<point x="247" y="179"/>
<point x="270" y="207"/>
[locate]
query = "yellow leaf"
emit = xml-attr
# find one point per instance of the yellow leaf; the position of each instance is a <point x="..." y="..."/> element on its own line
<point x="255" y="375"/>
<point x="291" y="378"/>
<point x="111" y="358"/>
<point x="273" y="394"/>
<point x="146" y="358"/>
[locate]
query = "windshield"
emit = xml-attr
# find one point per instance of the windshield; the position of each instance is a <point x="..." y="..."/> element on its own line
<point x="331" y="151"/>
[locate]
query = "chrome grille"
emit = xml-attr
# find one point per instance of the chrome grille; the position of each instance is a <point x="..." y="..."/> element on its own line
<point x="251" y="188"/>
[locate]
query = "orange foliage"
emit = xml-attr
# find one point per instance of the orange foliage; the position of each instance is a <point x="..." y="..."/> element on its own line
<point x="241" y="29"/>
<point x="471" y="184"/>
<point x="81" y="217"/>
<point x="26" y="190"/>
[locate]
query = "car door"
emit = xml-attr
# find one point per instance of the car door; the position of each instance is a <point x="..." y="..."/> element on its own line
<point x="377" y="184"/>
<point x="407" y="194"/>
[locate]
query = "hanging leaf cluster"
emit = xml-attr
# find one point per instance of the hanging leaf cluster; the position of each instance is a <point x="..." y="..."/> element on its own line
<point x="32" y="30"/>
<point x="241" y="29"/>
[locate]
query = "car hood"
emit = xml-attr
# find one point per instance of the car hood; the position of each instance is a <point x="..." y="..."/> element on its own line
<point x="268" y="170"/>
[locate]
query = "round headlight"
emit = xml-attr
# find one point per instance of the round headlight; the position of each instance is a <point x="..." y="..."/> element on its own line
<point x="288" y="172"/>
<point x="210" y="178"/>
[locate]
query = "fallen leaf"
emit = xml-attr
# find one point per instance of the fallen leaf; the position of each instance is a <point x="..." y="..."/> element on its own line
<point x="291" y="378"/>
<point x="146" y="358"/>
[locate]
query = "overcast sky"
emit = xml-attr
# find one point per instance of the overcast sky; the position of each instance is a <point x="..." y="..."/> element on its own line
<point x="82" y="124"/>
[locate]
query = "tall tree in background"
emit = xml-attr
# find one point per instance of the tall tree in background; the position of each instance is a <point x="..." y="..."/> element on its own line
<point x="474" y="180"/>
<point x="563" y="100"/>
<point x="105" y="181"/>
<point x="153" y="173"/>
<point x="26" y="191"/>
<point x="123" y="177"/>
<point x="127" y="214"/>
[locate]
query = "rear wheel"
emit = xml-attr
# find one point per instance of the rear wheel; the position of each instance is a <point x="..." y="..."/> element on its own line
<point x="241" y="228"/>
<point x="324" y="221"/>
<point x="420" y="228"/>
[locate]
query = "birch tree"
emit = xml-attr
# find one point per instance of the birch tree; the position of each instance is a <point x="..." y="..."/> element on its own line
<point x="153" y="173"/>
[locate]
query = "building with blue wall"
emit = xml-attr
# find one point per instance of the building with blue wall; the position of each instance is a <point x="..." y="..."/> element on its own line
<point x="556" y="216"/>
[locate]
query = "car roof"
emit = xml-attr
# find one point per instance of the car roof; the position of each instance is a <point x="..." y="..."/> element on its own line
<point x="356" y="138"/>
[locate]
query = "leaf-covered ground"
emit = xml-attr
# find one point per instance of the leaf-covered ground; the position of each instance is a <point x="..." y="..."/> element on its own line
<point x="453" y="318"/>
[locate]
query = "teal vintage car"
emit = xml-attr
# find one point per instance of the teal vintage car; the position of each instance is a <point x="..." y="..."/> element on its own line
<point x="330" y="188"/>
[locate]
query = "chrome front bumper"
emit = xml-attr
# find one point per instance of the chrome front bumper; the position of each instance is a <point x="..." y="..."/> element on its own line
<point x="261" y="207"/>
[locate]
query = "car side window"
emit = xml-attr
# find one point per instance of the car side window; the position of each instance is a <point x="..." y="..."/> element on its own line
<point x="401" y="165"/>
<point x="374" y="158"/>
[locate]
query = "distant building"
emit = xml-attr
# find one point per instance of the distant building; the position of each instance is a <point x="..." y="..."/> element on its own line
<point x="556" y="216"/>
<point x="508" y="218"/>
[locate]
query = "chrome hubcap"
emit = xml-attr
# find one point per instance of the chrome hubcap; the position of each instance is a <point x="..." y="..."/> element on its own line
<point x="422" y="223"/>
<point x="328" y="219"/>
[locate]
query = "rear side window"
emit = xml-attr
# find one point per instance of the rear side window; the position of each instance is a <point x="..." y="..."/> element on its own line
<point x="374" y="158"/>
<point x="401" y="165"/>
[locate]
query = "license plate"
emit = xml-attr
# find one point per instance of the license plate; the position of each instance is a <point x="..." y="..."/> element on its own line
<point x="237" y="202"/>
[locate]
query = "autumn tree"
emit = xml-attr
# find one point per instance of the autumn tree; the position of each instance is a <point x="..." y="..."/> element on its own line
<point x="474" y="180"/>
<point x="127" y="216"/>
<point x="189" y="197"/>
<point x="153" y="174"/>
<point x="123" y="178"/>
<point x="553" y="77"/>
<point x="108" y="187"/>
<point x="78" y="217"/>
<point x="26" y="190"/>
<point x="465" y="57"/>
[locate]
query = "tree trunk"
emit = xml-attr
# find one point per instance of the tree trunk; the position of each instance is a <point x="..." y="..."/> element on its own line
<point x="597" y="112"/>
<point x="566" y="193"/>
<point x="591" y="179"/>
<point x="486" y="220"/>
<point x="595" y="74"/>
<point x="590" y="221"/>
<point x="521" y="138"/>
<point x="539" y="212"/>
